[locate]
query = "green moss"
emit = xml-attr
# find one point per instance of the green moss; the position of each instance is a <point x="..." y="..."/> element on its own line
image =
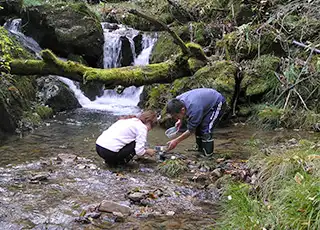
<point x="158" y="96"/>
<point x="44" y="111"/>
<point x="220" y="76"/>
<point x="196" y="51"/>
<point x="302" y="28"/>
<point x="259" y="76"/>
<point x="246" y="42"/>
<point x="164" y="48"/>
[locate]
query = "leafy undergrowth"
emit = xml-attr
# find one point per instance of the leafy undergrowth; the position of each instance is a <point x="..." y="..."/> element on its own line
<point x="284" y="195"/>
<point x="172" y="167"/>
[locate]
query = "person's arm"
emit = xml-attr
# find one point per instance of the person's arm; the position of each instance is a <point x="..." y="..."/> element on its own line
<point x="195" y="118"/>
<point x="141" y="139"/>
<point x="173" y="143"/>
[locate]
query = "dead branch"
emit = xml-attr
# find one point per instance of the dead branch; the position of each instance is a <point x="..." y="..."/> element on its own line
<point x="176" y="38"/>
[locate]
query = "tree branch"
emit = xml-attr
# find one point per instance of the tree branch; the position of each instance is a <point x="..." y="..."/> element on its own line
<point x="176" y="38"/>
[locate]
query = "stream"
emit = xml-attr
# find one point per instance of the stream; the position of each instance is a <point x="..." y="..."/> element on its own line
<point x="40" y="192"/>
<point x="53" y="178"/>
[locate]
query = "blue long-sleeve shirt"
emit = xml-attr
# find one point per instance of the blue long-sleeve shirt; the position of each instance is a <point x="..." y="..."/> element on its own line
<point x="198" y="102"/>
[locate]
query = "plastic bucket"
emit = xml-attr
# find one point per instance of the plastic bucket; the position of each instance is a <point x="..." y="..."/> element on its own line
<point x="171" y="132"/>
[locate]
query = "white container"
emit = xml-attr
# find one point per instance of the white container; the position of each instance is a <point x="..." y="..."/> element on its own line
<point x="171" y="132"/>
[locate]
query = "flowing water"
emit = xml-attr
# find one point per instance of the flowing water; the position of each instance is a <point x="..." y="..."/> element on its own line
<point x="40" y="192"/>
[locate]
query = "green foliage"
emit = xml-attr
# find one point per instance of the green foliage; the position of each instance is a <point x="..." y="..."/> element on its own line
<point x="27" y="3"/>
<point x="266" y="116"/>
<point x="158" y="96"/>
<point x="44" y="111"/>
<point x="286" y="194"/>
<point x="164" y="48"/>
<point x="269" y="117"/>
<point x="259" y="77"/>
<point x="172" y="168"/>
<point x="245" y="42"/>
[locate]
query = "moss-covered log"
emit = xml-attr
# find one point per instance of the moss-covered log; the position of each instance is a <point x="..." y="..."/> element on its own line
<point x="126" y="76"/>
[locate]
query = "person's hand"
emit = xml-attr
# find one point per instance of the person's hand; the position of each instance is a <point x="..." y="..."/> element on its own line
<point x="150" y="152"/>
<point x="172" y="144"/>
<point x="178" y="124"/>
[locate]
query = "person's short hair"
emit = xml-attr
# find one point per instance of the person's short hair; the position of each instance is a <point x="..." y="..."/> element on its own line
<point x="174" y="106"/>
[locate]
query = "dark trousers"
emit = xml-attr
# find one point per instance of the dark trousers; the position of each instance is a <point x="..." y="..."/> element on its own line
<point x="115" y="158"/>
<point x="204" y="132"/>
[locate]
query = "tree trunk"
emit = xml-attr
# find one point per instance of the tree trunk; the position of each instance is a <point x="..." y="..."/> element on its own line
<point x="164" y="72"/>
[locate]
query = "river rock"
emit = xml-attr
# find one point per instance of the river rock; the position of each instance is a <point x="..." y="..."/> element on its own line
<point x="66" y="28"/>
<point x="217" y="172"/>
<point x="110" y="206"/>
<point x="39" y="177"/>
<point x="55" y="94"/>
<point x="66" y="158"/>
<point x="137" y="196"/>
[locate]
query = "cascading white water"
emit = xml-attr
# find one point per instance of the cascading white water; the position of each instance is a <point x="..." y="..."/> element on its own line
<point x="124" y="103"/>
<point x="13" y="27"/>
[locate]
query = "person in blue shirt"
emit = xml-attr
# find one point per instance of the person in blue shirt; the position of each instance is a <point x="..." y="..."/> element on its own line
<point x="203" y="108"/>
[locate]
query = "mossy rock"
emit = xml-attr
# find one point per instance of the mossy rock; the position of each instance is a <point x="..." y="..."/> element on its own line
<point x="118" y="13"/>
<point x="302" y="28"/>
<point x="164" y="48"/>
<point x="249" y="41"/>
<point x="66" y="29"/>
<point x="220" y="75"/>
<point x="16" y="92"/>
<point x="259" y="77"/>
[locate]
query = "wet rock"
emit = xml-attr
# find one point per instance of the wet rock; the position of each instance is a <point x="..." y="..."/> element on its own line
<point x="66" y="158"/>
<point x="110" y="206"/>
<point x="55" y="94"/>
<point x="138" y="44"/>
<point x="170" y="213"/>
<point x="126" y="56"/>
<point x="110" y="26"/>
<point x="10" y="8"/>
<point x="137" y="196"/>
<point x="292" y="141"/>
<point x="93" y="215"/>
<point x="39" y="177"/>
<point x="66" y="28"/>
<point x="217" y="172"/>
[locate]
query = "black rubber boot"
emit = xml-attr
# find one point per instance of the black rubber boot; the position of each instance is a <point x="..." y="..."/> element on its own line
<point x="207" y="144"/>
<point x="199" y="143"/>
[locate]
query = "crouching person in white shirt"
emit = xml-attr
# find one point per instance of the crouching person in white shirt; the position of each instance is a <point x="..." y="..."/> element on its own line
<point x="125" y="138"/>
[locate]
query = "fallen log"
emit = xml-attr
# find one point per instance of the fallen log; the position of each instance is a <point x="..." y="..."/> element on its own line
<point x="164" y="72"/>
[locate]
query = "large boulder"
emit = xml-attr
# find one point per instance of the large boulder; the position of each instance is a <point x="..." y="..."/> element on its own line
<point x="9" y="9"/>
<point x="55" y="94"/>
<point x="66" y="29"/>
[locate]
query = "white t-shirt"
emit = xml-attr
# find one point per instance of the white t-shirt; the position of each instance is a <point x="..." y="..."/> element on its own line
<point x="123" y="132"/>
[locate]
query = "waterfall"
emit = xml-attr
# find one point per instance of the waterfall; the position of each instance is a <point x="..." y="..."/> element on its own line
<point x="127" y="101"/>
<point x="13" y="26"/>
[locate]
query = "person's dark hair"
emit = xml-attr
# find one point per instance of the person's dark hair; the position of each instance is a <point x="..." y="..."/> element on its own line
<point x="174" y="106"/>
